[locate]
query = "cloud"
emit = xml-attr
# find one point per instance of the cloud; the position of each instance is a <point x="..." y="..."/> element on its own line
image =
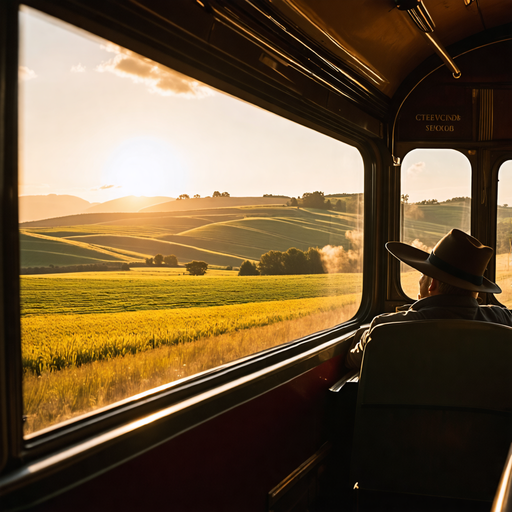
<point x="420" y="245"/>
<point x="78" y="68"/>
<point x="416" y="168"/>
<point x="157" y="78"/>
<point x="105" y="187"/>
<point x="25" y="74"/>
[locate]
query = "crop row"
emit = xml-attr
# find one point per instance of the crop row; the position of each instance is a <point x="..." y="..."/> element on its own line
<point x="57" y="396"/>
<point x="54" y="342"/>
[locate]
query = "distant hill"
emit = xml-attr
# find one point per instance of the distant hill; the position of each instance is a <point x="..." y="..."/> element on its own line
<point x="219" y="236"/>
<point x="52" y="205"/>
<point x="214" y="202"/>
<point x="127" y="204"/>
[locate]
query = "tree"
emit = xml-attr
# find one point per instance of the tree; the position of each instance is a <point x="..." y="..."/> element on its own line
<point x="196" y="196"/>
<point x="248" y="268"/>
<point x="313" y="200"/>
<point x="225" y="194"/>
<point x="314" y="260"/>
<point x="293" y="202"/>
<point x="125" y="266"/>
<point x="340" y="206"/>
<point x="295" y="262"/>
<point x="216" y="194"/>
<point x="149" y="262"/>
<point x="159" y="259"/>
<point x="183" y="196"/>
<point x="271" y="263"/>
<point x="196" y="268"/>
<point x="171" y="260"/>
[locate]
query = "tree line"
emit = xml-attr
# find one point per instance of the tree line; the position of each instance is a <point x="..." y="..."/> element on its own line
<point x="344" y="203"/>
<point x="329" y="259"/>
<point x="181" y="197"/>
<point x="160" y="260"/>
<point x="194" y="268"/>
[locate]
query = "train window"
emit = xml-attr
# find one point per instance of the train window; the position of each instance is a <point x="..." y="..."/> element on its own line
<point x="166" y="228"/>
<point x="504" y="235"/>
<point x="435" y="198"/>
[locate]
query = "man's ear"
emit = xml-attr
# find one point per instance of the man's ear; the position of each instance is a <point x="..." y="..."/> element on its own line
<point x="433" y="287"/>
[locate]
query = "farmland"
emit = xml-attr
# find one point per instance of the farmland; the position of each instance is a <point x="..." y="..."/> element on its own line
<point x="159" y="289"/>
<point x="85" y="333"/>
<point x="93" y="338"/>
<point x="88" y="342"/>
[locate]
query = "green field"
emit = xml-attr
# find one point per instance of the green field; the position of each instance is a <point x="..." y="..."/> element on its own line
<point x="158" y="289"/>
<point x="92" y="339"/>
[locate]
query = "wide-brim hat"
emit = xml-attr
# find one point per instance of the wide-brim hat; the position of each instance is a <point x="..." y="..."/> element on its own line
<point x="458" y="259"/>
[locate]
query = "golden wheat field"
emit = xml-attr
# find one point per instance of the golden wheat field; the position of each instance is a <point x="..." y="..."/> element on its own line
<point x="78" y="363"/>
<point x="54" y="342"/>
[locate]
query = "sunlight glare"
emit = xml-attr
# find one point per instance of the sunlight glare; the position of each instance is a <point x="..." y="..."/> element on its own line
<point x="145" y="166"/>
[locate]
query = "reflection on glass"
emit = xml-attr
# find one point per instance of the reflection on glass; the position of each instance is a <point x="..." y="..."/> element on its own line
<point x="166" y="228"/>
<point x="436" y="190"/>
<point x="504" y="234"/>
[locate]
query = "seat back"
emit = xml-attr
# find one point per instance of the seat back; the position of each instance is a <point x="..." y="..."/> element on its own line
<point x="434" y="409"/>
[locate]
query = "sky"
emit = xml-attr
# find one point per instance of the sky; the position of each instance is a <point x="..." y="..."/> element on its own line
<point x="100" y="122"/>
<point x="445" y="173"/>
<point x="435" y="174"/>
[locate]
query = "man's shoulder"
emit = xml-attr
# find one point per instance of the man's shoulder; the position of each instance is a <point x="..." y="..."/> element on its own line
<point x="399" y="316"/>
<point x="497" y="314"/>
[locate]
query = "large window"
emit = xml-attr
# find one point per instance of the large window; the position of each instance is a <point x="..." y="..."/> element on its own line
<point x="504" y="236"/>
<point x="436" y="190"/>
<point x="166" y="228"/>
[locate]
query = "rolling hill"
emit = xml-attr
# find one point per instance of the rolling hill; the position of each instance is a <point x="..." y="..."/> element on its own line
<point x="225" y="235"/>
<point x="214" y="202"/>
<point x="43" y="207"/>
<point x="127" y="204"/>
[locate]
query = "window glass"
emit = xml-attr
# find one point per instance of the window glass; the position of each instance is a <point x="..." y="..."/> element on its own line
<point x="436" y="190"/>
<point x="166" y="227"/>
<point x="504" y="235"/>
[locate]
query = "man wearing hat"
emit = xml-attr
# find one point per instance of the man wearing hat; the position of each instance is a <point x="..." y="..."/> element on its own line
<point x="452" y="276"/>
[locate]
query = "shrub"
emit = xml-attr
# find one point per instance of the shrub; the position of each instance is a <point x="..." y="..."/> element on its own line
<point x="248" y="268"/>
<point x="196" y="268"/>
<point x="171" y="260"/>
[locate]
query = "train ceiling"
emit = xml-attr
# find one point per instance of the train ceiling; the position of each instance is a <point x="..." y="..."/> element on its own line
<point x="382" y="43"/>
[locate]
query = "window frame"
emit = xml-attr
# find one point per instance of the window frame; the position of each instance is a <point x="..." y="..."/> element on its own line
<point x="498" y="159"/>
<point x="405" y="149"/>
<point x="32" y="466"/>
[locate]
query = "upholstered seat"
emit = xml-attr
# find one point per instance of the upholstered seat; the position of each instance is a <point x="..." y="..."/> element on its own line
<point x="434" y="409"/>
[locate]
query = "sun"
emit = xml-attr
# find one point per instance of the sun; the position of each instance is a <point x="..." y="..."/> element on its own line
<point x="145" y="166"/>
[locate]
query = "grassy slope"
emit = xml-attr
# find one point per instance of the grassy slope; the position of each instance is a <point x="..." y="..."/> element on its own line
<point x="434" y="221"/>
<point x="253" y="236"/>
<point x="37" y="251"/>
<point x="223" y="236"/>
<point x="220" y="236"/>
